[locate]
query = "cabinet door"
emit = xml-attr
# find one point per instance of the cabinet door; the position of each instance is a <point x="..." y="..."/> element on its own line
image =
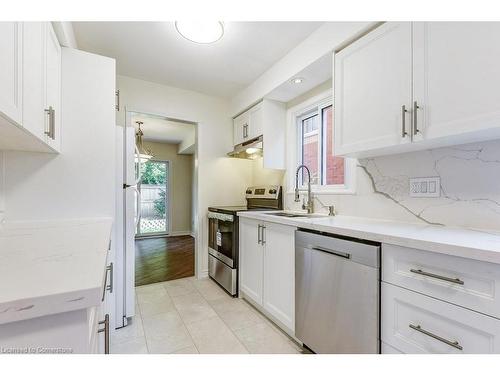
<point x="255" y="121"/>
<point x="240" y="127"/>
<point x="251" y="260"/>
<point x="457" y="79"/>
<point x="11" y="43"/>
<point x="279" y="272"/>
<point x="35" y="120"/>
<point x="373" y="80"/>
<point x="53" y="83"/>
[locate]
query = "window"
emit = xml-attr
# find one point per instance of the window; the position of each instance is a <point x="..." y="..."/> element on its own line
<point x="315" y="147"/>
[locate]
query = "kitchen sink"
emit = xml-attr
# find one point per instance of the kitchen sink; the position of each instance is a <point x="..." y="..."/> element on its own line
<point x="294" y="215"/>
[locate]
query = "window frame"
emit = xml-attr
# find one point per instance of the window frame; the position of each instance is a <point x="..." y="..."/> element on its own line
<point x="296" y="115"/>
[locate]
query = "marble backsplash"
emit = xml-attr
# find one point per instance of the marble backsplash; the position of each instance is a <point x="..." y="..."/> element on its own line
<point x="470" y="188"/>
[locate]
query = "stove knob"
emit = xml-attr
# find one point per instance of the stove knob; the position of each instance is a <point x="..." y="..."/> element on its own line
<point x="249" y="191"/>
<point x="272" y="191"/>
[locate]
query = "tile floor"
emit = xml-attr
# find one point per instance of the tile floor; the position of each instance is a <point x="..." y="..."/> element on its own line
<point x="196" y="316"/>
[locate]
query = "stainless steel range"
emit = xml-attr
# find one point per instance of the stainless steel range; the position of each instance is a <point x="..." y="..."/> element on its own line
<point x="223" y="240"/>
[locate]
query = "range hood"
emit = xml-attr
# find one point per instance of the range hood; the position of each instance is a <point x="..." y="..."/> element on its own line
<point x="251" y="149"/>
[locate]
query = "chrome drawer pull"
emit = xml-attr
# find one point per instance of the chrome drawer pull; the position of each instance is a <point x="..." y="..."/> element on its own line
<point x="333" y="252"/>
<point x="450" y="279"/>
<point x="454" y="344"/>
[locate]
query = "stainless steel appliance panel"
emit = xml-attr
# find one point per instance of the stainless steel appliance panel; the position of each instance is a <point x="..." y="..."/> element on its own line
<point x="337" y="294"/>
<point x="222" y="274"/>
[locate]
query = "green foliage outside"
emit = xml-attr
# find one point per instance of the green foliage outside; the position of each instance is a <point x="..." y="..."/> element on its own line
<point x="155" y="174"/>
<point x="159" y="204"/>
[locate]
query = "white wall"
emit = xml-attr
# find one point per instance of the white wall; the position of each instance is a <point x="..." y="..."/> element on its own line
<point x="221" y="180"/>
<point x="79" y="182"/>
<point x="325" y="39"/>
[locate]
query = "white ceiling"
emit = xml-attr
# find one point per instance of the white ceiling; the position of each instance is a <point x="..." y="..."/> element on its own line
<point x="159" y="129"/>
<point x="313" y="75"/>
<point x="154" y="51"/>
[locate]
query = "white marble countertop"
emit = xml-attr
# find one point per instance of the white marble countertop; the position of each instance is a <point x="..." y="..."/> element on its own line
<point x="48" y="267"/>
<point x="467" y="243"/>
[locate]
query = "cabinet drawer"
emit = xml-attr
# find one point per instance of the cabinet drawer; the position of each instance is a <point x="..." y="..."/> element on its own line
<point x="414" y="323"/>
<point x="465" y="282"/>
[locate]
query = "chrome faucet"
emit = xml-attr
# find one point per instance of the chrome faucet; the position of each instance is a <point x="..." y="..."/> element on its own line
<point x="309" y="205"/>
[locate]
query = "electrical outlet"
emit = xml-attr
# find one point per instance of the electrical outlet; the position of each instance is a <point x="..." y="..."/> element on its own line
<point x="425" y="187"/>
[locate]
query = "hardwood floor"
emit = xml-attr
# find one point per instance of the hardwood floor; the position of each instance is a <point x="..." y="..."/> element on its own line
<point x="162" y="259"/>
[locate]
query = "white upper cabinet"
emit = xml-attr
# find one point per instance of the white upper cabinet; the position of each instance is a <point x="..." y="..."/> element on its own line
<point x="30" y="87"/>
<point x="34" y="117"/>
<point x="457" y="80"/>
<point x="266" y="119"/>
<point x="11" y="65"/>
<point x="444" y="73"/>
<point x="53" y="88"/>
<point x="372" y="86"/>
<point x="240" y="128"/>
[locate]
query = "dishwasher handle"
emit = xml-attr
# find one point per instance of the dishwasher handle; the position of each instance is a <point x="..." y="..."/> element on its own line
<point x="333" y="252"/>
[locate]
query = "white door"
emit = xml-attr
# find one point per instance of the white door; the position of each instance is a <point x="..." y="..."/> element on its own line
<point x="251" y="259"/>
<point x="35" y="120"/>
<point x="255" y="121"/>
<point x="373" y="81"/>
<point x="11" y="43"/>
<point x="457" y="77"/>
<point x="279" y="272"/>
<point x="53" y="84"/>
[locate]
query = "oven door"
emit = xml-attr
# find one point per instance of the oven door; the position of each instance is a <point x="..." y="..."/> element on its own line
<point x="221" y="237"/>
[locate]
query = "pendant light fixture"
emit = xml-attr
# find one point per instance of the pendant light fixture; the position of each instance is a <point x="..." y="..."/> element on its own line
<point x="142" y="155"/>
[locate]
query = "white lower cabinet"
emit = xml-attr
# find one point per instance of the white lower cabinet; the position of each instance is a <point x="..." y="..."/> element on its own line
<point x="415" y="323"/>
<point x="279" y="272"/>
<point x="267" y="269"/>
<point x="251" y="260"/>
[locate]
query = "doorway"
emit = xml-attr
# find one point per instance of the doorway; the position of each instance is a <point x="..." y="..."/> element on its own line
<point x="164" y="244"/>
<point x="153" y="199"/>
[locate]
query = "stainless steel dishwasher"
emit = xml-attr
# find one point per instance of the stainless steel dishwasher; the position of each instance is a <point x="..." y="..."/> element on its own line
<point x="337" y="293"/>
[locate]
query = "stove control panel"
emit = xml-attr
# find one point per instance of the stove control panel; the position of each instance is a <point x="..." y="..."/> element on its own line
<point x="266" y="192"/>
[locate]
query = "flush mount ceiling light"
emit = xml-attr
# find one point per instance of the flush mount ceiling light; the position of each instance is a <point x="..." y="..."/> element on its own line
<point x="203" y="32"/>
<point x="297" y="80"/>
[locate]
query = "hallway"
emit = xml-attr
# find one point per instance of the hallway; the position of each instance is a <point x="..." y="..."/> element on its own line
<point x="163" y="259"/>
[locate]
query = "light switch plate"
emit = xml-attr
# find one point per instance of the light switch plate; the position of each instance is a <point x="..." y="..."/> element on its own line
<point x="425" y="187"/>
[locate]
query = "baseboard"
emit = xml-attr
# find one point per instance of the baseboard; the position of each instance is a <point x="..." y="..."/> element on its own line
<point x="180" y="233"/>
<point x="203" y="274"/>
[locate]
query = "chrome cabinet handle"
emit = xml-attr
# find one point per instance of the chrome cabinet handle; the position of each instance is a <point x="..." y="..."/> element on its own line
<point x="259" y="239"/>
<point x="52" y="121"/>
<point x="111" y="284"/>
<point x="404" y="133"/>
<point x="415" y="123"/>
<point x="109" y="269"/>
<point x="263" y="241"/>
<point x="245" y="131"/>
<point x="117" y="105"/>
<point x="454" y="344"/>
<point x="106" y="332"/>
<point x="433" y="275"/>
